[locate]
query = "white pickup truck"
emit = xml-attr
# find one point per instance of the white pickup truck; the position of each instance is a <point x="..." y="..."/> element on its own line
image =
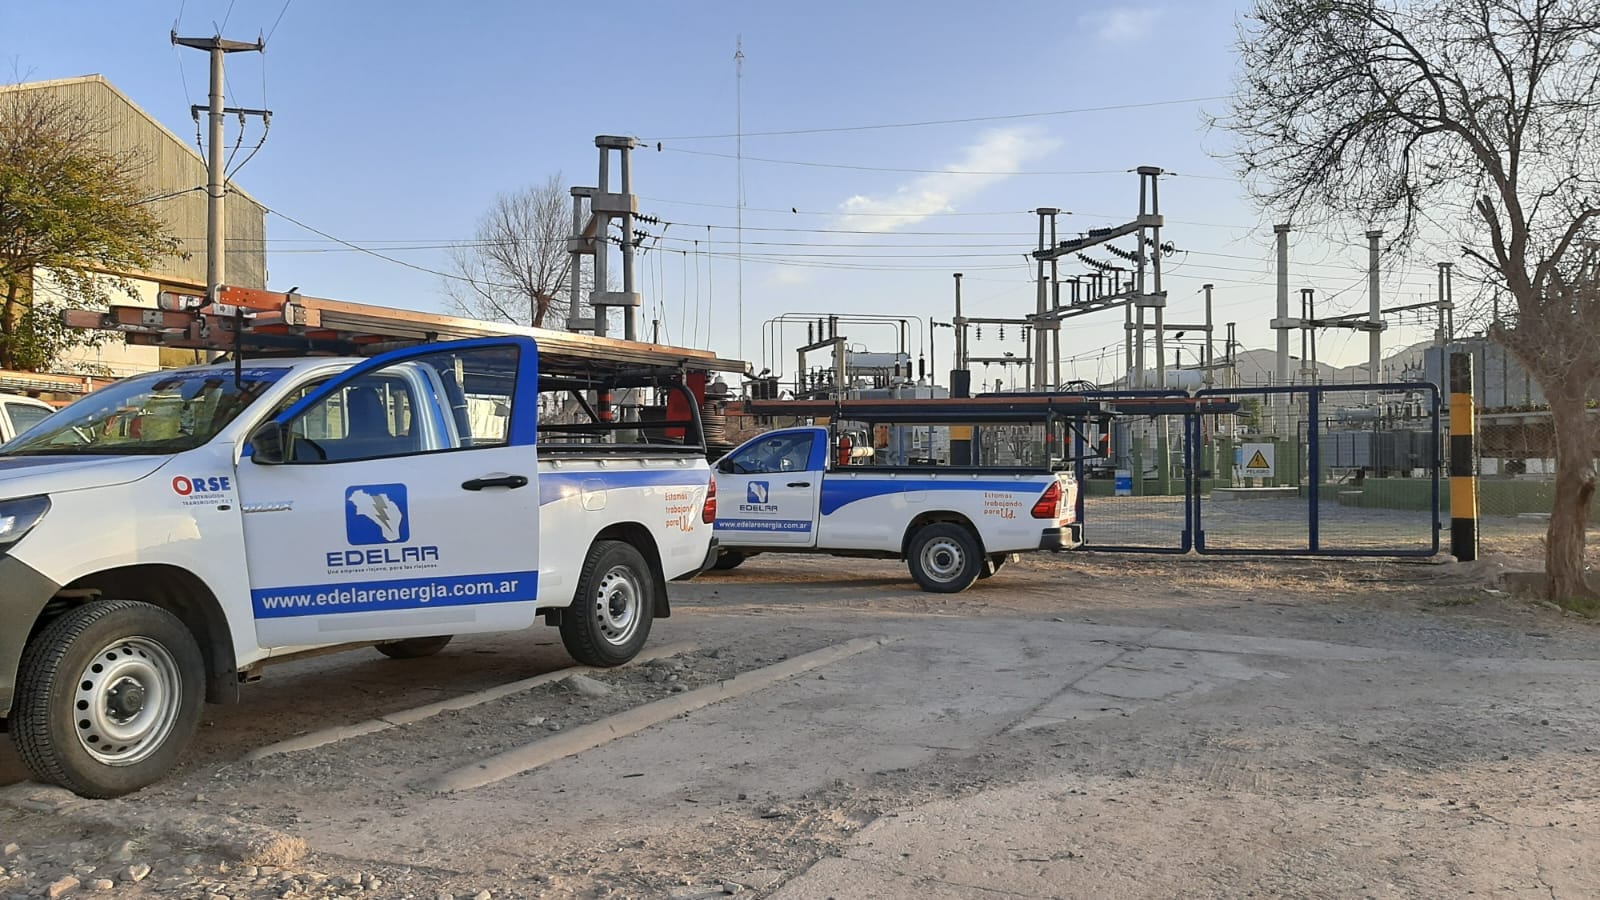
<point x="795" y="491"/>
<point x="164" y="538"/>
<point x="18" y="414"/>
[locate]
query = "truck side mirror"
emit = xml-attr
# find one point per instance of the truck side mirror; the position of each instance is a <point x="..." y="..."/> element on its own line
<point x="269" y="444"/>
<point x="725" y="467"/>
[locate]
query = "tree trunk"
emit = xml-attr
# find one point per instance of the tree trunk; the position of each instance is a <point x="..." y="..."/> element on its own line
<point x="1574" y="488"/>
<point x="9" y="313"/>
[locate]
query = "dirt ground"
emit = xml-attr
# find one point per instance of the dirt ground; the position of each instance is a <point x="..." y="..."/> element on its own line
<point x="1082" y="725"/>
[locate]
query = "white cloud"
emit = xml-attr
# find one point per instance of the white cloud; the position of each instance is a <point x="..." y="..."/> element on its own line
<point x="1121" y="26"/>
<point x="995" y="154"/>
<point x="789" y="276"/>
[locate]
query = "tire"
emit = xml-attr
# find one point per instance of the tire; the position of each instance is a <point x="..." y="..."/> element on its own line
<point x="944" y="558"/>
<point x="414" y="648"/>
<point x="611" y="613"/>
<point x="108" y="696"/>
<point x="993" y="564"/>
<point x="728" y="559"/>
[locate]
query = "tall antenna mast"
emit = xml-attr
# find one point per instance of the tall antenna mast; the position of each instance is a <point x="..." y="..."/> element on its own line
<point x="738" y="128"/>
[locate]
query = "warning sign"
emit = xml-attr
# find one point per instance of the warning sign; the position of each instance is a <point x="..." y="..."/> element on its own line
<point x="1259" y="461"/>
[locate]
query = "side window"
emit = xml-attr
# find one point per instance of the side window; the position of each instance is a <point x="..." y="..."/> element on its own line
<point x="776" y="453"/>
<point x="449" y="400"/>
<point x="25" y="415"/>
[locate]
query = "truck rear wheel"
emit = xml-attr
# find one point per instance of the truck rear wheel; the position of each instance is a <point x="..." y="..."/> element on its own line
<point x="414" y="648"/>
<point x="610" y="617"/>
<point x="944" y="558"/>
<point x="109" y="695"/>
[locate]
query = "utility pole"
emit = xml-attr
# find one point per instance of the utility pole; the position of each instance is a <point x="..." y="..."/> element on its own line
<point x="959" y="323"/>
<point x="1282" y="323"/>
<point x="1442" y="334"/>
<point x="216" y="187"/>
<point x="738" y="144"/>
<point x="1037" y="376"/>
<point x="1374" y="311"/>
<point x="603" y="205"/>
<point x="1209" y="376"/>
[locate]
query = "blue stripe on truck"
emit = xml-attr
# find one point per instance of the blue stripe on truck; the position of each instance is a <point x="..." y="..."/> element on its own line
<point x="838" y="493"/>
<point x="557" y="486"/>
<point x="763" y="524"/>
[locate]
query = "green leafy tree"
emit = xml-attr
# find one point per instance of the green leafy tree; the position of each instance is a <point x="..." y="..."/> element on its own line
<point x="72" y="214"/>
<point x="1477" y="121"/>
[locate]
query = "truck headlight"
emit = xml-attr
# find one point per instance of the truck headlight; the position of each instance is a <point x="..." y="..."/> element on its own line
<point x="17" y="518"/>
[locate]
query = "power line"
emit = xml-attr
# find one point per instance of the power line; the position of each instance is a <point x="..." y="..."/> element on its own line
<point x="374" y="253"/>
<point x="933" y="122"/>
<point x="827" y="165"/>
<point x="274" y="29"/>
<point x="225" y="17"/>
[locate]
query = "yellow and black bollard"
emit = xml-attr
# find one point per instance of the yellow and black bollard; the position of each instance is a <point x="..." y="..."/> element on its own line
<point x="1463" y="459"/>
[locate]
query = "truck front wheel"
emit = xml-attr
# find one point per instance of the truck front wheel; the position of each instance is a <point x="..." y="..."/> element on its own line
<point x="108" y="696"/>
<point x="944" y="558"/>
<point x="610" y="616"/>
<point x="728" y="559"/>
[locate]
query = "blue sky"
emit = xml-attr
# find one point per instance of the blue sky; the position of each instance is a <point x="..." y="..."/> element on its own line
<point x="397" y="122"/>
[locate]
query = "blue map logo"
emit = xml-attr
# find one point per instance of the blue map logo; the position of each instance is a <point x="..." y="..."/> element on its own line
<point x="757" y="492"/>
<point x="376" y="514"/>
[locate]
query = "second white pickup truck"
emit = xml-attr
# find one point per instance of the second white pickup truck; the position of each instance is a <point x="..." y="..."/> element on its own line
<point x="795" y="491"/>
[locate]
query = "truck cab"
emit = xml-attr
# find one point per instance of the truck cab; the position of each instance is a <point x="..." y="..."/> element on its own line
<point x="165" y="538"/>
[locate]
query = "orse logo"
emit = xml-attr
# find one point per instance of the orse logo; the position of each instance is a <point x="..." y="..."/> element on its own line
<point x="183" y="487"/>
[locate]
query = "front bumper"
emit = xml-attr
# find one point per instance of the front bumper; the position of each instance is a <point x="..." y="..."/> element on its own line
<point x="1067" y="537"/>
<point x="23" y="595"/>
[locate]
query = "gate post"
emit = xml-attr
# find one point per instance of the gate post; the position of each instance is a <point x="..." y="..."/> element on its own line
<point x="1463" y="459"/>
<point x="1313" y="469"/>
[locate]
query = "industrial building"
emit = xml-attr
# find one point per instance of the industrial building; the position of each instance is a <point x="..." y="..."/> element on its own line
<point x="174" y="176"/>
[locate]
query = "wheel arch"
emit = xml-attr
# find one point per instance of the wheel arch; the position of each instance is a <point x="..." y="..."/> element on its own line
<point x="181" y="593"/>
<point x="645" y="542"/>
<point x="933" y="516"/>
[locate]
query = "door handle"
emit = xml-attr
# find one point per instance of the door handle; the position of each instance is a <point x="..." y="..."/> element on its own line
<point x="798" y="484"/>
<point x="506" y="481"/>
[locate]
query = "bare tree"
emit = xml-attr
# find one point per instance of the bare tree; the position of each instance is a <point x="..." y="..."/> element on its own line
<point x="516" y="267"/>
<point x="1474" y="121"/>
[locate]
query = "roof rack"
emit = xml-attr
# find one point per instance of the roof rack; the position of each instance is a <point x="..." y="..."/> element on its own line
<point x="258" y="322"/>
<point x="926" y="410"/>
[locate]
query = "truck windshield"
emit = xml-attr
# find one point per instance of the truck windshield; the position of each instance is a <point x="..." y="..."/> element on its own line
<point x="159" y="413"/>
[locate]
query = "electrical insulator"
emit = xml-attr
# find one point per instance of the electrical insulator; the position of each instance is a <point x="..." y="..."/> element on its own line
<point x="980" y="332"/>
<point x="1002" y="332"/>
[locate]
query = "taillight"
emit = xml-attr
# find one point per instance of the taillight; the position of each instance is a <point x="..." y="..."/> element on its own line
<point x="708" y="512"/>
<point x="1048" y="506"/>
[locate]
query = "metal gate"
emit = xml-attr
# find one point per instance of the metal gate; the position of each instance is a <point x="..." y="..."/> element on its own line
<point x="1135" y="473"/>
<point x="1348" y="470"/>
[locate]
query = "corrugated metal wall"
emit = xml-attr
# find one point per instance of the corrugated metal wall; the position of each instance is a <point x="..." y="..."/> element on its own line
<point x="173" y="165"/>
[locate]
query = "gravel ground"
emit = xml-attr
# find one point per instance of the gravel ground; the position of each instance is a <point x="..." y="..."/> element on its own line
<point x="1080" y="725"/>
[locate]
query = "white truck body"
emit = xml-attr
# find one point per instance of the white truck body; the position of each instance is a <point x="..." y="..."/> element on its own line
<point x="784" y="491"/>
<point x="431" y="521"/>
<point x="18" y="414"/>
